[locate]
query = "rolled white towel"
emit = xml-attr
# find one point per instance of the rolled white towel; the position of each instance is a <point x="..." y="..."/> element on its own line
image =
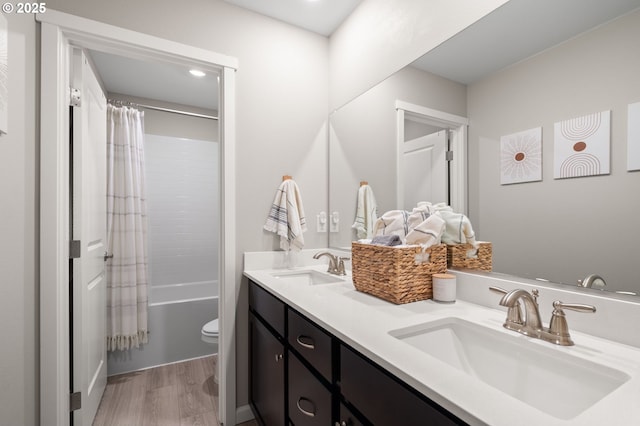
<point x="394" y="222"/>
<point x="427" y="233"/>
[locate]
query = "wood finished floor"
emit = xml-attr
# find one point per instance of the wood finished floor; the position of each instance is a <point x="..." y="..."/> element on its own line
<point x="182" y="394"/>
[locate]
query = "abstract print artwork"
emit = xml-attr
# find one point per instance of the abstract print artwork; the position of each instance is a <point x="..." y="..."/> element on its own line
<point x="582" y="146"/>
<point x="633" y="137"/>
<point x="521" y="157"/>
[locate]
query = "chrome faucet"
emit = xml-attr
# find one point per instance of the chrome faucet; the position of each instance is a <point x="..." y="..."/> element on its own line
<point x="558" y="331"/>
<point x="531" y="324"/>
<point x="590" y="280"/>
<point x="336" y="263"/>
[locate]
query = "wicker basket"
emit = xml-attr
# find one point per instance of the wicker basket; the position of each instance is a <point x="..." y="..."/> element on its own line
<point x="393" y="273"/>
<point x="459" y="256"/>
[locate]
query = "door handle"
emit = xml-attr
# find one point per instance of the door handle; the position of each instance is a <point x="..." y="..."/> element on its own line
<point x="107" y="256"/>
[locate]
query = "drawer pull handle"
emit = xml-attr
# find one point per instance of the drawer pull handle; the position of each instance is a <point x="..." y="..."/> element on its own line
<point x="305" y="412"/>
<point x="308" y="344"/>
<point x="278" y="357"/>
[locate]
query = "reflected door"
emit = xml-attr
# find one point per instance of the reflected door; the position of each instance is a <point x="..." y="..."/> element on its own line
<point x="424" y="170"/>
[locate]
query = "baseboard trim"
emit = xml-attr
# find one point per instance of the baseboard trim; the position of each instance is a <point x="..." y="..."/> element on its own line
<point x="244" y="414"/>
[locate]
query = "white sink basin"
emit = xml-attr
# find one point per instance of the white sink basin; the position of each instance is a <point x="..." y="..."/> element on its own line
<point x="307" y="277"/>
<point x="547" y="378"/>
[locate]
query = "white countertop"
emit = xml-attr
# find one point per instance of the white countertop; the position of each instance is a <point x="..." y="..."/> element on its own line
<point x="364" y="322"/>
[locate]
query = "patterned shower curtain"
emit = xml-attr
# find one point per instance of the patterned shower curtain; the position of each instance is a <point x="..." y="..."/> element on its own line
<point x="127" y="271"/>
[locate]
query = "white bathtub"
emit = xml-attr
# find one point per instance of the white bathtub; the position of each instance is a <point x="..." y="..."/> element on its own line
<point x="176" y="316"/>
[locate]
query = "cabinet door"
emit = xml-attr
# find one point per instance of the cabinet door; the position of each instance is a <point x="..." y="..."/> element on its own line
<point x="385" y="400"/>
<point x="266" y="377"/>
<point x="309" y="400"/>
<point x="347" y="418"/>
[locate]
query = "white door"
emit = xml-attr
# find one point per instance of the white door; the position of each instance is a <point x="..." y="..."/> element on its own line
<point x="424" y="170"/>
<point x="89" y="227"/>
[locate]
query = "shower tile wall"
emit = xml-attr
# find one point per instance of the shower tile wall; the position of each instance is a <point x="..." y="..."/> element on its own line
<point x="183" y="206"/>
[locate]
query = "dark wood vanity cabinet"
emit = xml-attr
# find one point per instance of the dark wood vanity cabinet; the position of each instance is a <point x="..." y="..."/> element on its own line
<point x="302" y="375"/>
<point x="267" y="357"/>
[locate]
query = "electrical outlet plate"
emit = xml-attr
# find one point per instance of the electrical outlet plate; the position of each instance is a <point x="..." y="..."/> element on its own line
<point x="334" y="222"/>
<point x="321" y="222"/>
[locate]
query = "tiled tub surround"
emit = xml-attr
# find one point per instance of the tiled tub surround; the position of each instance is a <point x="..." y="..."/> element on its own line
<point x="182" y="207"/>
<point x="607" y="337"/>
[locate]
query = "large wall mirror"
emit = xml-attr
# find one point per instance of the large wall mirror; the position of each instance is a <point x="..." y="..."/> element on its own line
<point x="529" y="64"/>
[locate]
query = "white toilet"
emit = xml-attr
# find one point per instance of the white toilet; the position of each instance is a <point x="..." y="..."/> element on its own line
<point x="210" y="332"/>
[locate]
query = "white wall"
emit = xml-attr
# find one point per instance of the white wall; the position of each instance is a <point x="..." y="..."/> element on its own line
<point x="382" y="36"/>
<point x="553" y="228"/>
<point x="19" y="403"/>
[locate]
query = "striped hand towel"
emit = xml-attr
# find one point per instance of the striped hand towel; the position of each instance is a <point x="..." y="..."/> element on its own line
<point x="286" y="216"/>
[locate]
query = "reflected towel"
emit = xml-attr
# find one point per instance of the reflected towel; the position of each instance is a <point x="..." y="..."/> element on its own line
<point x="366" y="213"/>
<point x="458" y="228"/>
<point x="286" y="216"/>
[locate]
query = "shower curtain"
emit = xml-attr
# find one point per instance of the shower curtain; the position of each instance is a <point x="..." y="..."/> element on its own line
<point x="127" y="271"/>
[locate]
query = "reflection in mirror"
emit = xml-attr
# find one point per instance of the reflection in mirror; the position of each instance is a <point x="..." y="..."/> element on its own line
<point x="362" y="140"/>
<point x="561" y="230"/>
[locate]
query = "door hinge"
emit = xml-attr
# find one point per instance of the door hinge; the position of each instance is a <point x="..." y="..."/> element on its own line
<point x="449" y="156"/>
<point x="74" y="97"/>
<point x="75" y="249"/>
<point x="75" y="401"/>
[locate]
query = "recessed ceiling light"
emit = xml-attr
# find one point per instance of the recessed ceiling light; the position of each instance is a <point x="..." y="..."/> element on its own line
<point x="197" y="73"/>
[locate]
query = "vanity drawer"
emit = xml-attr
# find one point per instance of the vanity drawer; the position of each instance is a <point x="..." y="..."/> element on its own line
<point x="267" y="306"/>
<point x="309" y="399"/>
<point x="383" y="399"/>
<point x="312" y="343"/>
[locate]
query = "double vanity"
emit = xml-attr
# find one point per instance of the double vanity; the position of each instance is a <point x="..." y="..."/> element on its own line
<point x="322" y="353"/>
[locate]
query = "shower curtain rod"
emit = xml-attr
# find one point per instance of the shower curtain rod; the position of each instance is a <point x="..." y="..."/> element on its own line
<point x="173" y="111"/>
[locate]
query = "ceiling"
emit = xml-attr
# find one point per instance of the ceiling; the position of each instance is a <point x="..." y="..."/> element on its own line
<point x="319" y="16"/>
<point x="158" y="81"/>
<point x="515" y="31"/>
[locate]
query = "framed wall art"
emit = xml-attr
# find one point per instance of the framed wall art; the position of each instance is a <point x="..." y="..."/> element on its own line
<point x="521" y="157"/>
<point x="582" y="146"/>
